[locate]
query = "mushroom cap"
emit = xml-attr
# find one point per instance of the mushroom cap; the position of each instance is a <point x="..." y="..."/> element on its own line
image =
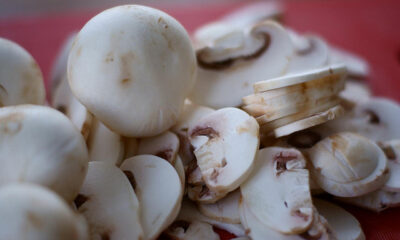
<point x="33" y="212"/>
<point x="348" y="165"/>
<point x="40" y="145"/>
<point x="236" y="60"/>
<point x="165" y="146"/>
<point x="109" y="204"/>
<point x="225" y="144"/>
<point x="140" y="52"/>
<point x="158" y="189"/>
<point x="21" y="81"/>
<point x="375" y="201"/>
<point x="278" y="191"/>
<point x="190" y="114"/>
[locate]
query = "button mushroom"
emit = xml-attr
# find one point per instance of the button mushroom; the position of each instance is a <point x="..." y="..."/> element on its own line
<point x="190" y="114"/>
<point x="165" y="146"/>
<point x="140" y="52"/>
<point x="357" y="66"/>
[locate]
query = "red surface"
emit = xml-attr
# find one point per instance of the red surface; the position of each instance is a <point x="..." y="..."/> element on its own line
<point x="366" y="27"/>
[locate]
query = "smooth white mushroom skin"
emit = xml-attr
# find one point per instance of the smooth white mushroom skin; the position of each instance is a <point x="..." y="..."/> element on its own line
<point x="21" y="81"/>
<point x="41" y="145"/>
<point x="109" y="204"/>
<point x="33" y="212"/>
<point x="141" y="52"/>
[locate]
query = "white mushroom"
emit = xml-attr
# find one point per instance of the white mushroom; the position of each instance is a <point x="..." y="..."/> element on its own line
<point x="40" y="145"/>
<point x="109" y="203"/>
<point x="355" y="92"/>
<point x="165" y="146"/>
<point x="348" y="165"/>
<point x="21" y="81"/>
<point x="196" y="230"/>
<point x="278" y="190"/>
<point x="357" y="66"/>
<point x="375" y="201"/>
<point x="236" y="60"/>
<point x="32" y="212"/>
<point x="225" y="144"/>
<point x="344" y="225"/>
<point x="159" y="191"/>
<point x="392" y="152"/>
<point x="190" y="114"/>
<point x="180" y="170"/>
<point x="140" y="52"/>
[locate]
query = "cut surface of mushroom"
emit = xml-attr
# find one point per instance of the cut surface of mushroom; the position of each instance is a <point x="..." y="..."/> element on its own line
<point x="141" y="52"/>
<point x="158" y="189"/>
<point x="190" y="114"/>
<point x="356" y="92"/>
<point x="357" y="66"/>
<point x="392" y="152"/>
<point x="225" y="144"/>
<point x="375" y="201"/>
<point x="40" y="145"/>
<point x="236" y="60"/>
<point x="348" y="165"/>
<point x="196" y="230"/>
<point x="165" y="146"/>
<point x="344" y="225"/>
<point x="278" y="191"/>
<point x="21" y="81"/>
<point x="109" y="203"/>
<point x="33" y="212"/>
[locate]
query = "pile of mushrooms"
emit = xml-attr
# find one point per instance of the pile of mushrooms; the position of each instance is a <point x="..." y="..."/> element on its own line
<point x="152" y="134"/>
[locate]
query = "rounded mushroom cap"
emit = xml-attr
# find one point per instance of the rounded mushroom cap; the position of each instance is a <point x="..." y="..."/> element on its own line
<point x="39" y="144"/>
<point x="32" y="212"/>
<point x="21" y="80"/>
<point x="126" y="54"/>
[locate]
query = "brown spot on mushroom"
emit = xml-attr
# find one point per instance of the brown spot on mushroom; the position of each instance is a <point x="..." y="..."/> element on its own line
<point x="78" y="51"/>
<point x="388" y="150"/>
<point x="11" y="124"/>
<point x="281" y="159"/>
<point x="373" y="117"/>
<point x="80" y="200"/>
<point x="303" y="139"/>
<point x="162" y="22"/>
<point x="205" y="131"/>
<point x="109" y="57"/>
<point x="204" y="191"/>
<point x="298" y="213"/>
<point x="247" y="231"/>
<point x="131" y="179"/>
<point x="34" y="220"/>
<point x="165" y="154"/>
<point x="85" y="131"/>
<point x="125" y="81"/>
<point x="126" y="61"/>
<point x="223" y="162"/>
<point x="105" y="235"/>
<point x="214" y="175"/>
<point x="286" y="205"/>
<point x="308" y="50"/>
<point x="62" y="108"/>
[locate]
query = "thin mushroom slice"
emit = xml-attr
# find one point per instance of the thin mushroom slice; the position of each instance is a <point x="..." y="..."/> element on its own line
<point x="190" y="114"/>
<point x="225" y="144"/>
<point x="109" y="203"/>
<point x="41" y="145"/>
<point x="278" y="191"/>
<point x="348" y="165"/>
<point x="357" y="67"/>
<point x="196" y="230"/>
<point x="392" y="152"/>
<point x="344" y="225"/>
<point x="33" y="212"/>
<point x="21" y="81"/>
<point x="355" y="92"/>
<point x="105" y="145"/>
<point x="237" y="59"/>
<point x="376" y="201"/>
<point x="224" y="210"/>
<point x="180" y="170"/>
<point x="158" y="189"/>
<point x="165" y="146"/>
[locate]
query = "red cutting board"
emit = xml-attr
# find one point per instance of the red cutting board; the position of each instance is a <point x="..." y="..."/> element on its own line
<point x="370" y="28"/>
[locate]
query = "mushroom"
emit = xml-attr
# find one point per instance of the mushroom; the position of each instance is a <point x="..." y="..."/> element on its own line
<point x="130" y="147"/>
<point x="224" y="210"/>
<point x="105" y="145"/>
<point x="355" y="92"/>
<point x="278" y="190"/>
<point x="158" y="189"/>
<point x="392" y="152"/>
<point x="344" y="225"/>
<point x="357" y="66"/>
<point x="40" y="145"/>
<point x="348" y="165"/>
<point x="225" y="144"/>
<point x="21" y="81"/>
<point x="180" y="170"/>
<point x="33" y="212"/>
<point x="140" y="52"/>
<point x="109" y="203"/>
<point x="190" y="114"/>
<point x="237" y="59"/>
<point x="165" y="146"/>
<point x="375" y="201"/>
<point x="196" y="230"/>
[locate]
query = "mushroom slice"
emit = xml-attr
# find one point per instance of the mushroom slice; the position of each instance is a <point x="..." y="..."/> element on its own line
<point x="21" y="81"/>
<point x="158" y="189"/>
<point x="237" y="59"/>
<point x="141" y="52"/>
<point x="40" y="145"/>
<point x="375" y="201"/>
<point x="165" y="146"/>
<point x="224" y="210"/>
<point x="190" y="114"/>
<point x="225" y="144"/>
<point x="355" y="92"/>
<point x="344" y="225"/>
<point x="105" y="145"/>
<point x="33" y="212"/>
<point x="357" y="66"/>
<point x="196" y="230"/>
<point x="180" y="170"/>
<point x="392" y="152"/>
<point x="348" y="165"/>
<point x="278" y="191"/>
<point x="108" y="202"/>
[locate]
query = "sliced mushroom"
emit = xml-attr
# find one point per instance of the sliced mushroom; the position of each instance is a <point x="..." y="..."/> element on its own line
<point x="375" y="201"/>
<point x="21" y="81"/>
<point x="224" y="210"/>
<point x="225" y="144"/>
<point x="141" y="52"/>
<point x="165" y="146"/>
<point x="278" y="191"/>
<point x="180" y="170"/>
<point x="344" y="225"/>
<point x="33" y="212"/>
<point x="40" y="145"/>
<point x="109" y="203"/>
<point x="348" y="165"/>
<point x="357" y="66"/>
<point x="355" y="92"/>
<point x="236" y="60"/>
<point x="190" y="114"/>
<point x="196" y="230"/>
<point x="105" y="145"/>
<point x="159" y="191"/>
